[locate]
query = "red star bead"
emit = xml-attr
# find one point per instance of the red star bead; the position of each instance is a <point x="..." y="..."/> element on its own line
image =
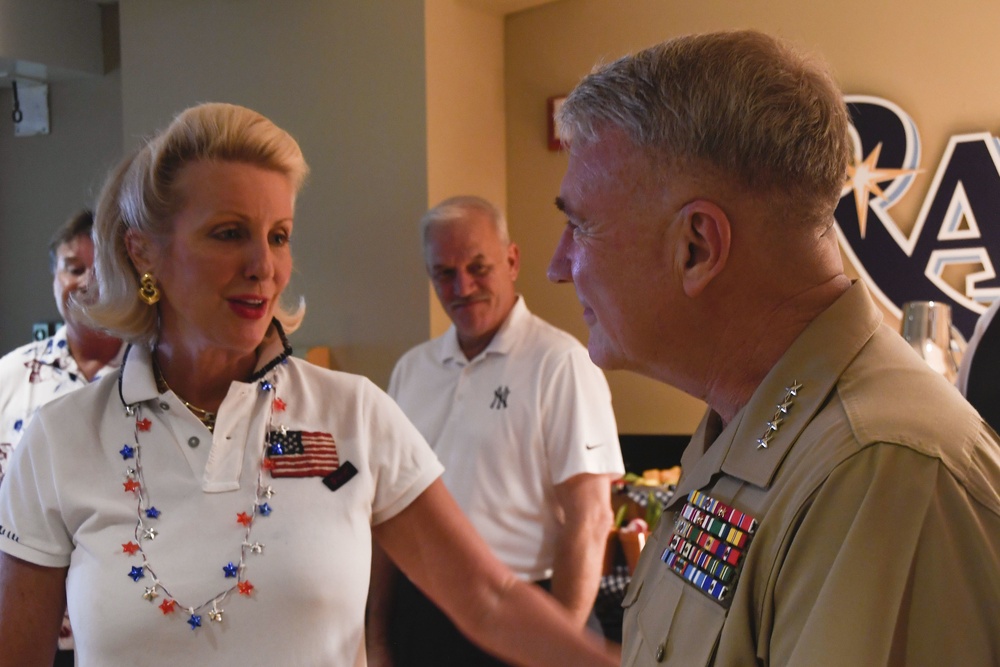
<point x="131" y="485"/>
<point x="144" y="424"/>
<point x="130" y="548"/>
<point x="167" y="606"/>
<point x="245" y="588"/>
<point x="243" y="518"/>
<point x="279" y="405"/>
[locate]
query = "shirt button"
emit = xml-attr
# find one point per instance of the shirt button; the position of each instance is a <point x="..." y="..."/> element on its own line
<point x="164" y="406"/>
<point x="660" y="652"/>
<point x="193" y="442"/>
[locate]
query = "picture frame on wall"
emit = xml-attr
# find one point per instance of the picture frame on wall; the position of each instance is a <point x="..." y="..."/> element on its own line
<point x="555" y="137"/>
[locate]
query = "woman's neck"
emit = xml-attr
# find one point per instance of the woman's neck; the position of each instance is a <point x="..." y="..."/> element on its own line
<point x="202" y="379"/>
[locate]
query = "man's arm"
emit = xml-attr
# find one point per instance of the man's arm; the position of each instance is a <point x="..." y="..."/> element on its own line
<point x="585" y="501"/>
<point x="434" y="544"/>
<point x="380" y="601"/>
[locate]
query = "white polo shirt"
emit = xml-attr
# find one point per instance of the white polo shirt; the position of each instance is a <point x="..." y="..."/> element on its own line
<point x="64" y="503"/>
<point x="531" y="411"/>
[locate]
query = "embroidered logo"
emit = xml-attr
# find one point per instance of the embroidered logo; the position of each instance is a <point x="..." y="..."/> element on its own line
<point x="301" y="454"/>
<point x="707" y="546"/>
<point x="500" y="395"/>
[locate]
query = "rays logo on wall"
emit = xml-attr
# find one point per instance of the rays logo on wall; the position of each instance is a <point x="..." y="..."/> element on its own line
<point x="957" y="228"/>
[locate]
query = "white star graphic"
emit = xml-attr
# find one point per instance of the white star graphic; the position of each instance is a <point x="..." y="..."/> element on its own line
<point x="864" y="178"/>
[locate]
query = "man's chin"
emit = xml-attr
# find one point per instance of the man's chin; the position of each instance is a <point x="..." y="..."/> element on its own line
<point x="602" y="356"/>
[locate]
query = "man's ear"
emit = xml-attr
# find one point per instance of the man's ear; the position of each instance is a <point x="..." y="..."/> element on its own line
<point x="703" y="249"/>
<point x="139" y="250"/>
<point x="513" y="260"/>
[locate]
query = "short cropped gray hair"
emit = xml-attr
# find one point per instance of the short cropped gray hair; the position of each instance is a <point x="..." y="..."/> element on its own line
<point x="141" y="195"/>
<point x="741" y="102"/>
<point x="455" y="208"/>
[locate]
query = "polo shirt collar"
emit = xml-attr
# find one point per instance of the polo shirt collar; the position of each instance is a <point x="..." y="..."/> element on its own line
<point x="137" y="384"/>
<point x="502" y="343"/>
<point x="798" y="384"/>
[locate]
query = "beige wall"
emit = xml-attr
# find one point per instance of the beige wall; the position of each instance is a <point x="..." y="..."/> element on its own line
<point x="936" y="60"/>
<point x="466" y="150"/>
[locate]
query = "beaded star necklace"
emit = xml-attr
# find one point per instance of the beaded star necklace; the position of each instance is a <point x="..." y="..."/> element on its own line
<point x="147" y="514"/>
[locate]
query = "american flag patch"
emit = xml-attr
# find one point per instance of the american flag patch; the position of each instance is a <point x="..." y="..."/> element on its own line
<point x="301" y="454"/>
<point x="707" y="546"/>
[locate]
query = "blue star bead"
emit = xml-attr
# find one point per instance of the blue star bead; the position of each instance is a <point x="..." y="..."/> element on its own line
<point x="230" y="570"/>
<point x="194" y="621"/>
<point x="127" y="452"/>
<point x="153" y="513"/>
<point x="276" y="449"/>
<point x="264" y="509"/>
<point x="18" y="424"/>
<point x="136" y="573"/>
<point x="266" y="385"/>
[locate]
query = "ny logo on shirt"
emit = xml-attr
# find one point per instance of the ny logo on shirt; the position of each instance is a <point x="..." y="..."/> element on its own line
<point x="500" y="395"/>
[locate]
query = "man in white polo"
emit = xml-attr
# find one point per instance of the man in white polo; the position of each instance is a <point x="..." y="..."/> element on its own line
<point x="522" y="421"/>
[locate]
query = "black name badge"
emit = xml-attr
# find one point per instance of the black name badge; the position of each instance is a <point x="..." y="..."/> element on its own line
<point x="340" y="476"/>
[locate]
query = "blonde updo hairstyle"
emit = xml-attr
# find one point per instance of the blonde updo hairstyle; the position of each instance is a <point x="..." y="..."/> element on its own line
<point x="141" y="196"/>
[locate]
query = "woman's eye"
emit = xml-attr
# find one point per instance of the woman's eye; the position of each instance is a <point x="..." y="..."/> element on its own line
<point x="227" y="234"/>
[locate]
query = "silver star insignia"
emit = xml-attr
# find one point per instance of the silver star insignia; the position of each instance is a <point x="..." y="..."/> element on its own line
<point x="150" y="594"/>
<point x="256" y="548"/>
<point x="215" y="615"/>
<point x="149" y="534"/>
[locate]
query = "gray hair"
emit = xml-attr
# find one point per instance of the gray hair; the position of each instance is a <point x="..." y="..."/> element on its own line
<point x="142" y="195"/>
<point x="456" y="208"/>
<point x="741" y="102"/>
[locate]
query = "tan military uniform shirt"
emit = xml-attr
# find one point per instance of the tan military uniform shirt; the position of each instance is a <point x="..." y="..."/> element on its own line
<point x="877" y="510"/>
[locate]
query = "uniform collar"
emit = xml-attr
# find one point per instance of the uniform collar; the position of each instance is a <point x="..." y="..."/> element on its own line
<point x="502" y="342"/>
<point x="799" y="383"/>
<point x="137" y="384"/>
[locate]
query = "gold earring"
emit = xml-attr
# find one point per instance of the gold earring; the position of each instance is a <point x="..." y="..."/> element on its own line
<point x="147" y="289"/>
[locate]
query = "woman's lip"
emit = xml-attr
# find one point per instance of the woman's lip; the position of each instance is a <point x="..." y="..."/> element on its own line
<point x="249" y="307"/>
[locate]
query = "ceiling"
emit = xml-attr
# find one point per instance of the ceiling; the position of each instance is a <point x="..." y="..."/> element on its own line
<point x="504" y="7"/>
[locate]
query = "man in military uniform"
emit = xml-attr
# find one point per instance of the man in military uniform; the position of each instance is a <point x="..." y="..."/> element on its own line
<point x="839" y="503"/>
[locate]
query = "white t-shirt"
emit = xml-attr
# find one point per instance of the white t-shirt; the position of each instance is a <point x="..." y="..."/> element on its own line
<point x="65" y="503"/>
<point x="531" y="411"/>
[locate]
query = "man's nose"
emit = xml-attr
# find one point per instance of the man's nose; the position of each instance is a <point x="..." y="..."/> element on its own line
<point x="464" y="283"/>
<point x="558" y="271"/>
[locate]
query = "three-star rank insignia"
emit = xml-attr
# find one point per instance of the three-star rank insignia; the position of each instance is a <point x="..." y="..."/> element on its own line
<point x="707" y="546"/>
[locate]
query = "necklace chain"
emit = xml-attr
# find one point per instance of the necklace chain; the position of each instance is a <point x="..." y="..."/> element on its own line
<point x="147" y="514"/>
<point x="204" y="416"/>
